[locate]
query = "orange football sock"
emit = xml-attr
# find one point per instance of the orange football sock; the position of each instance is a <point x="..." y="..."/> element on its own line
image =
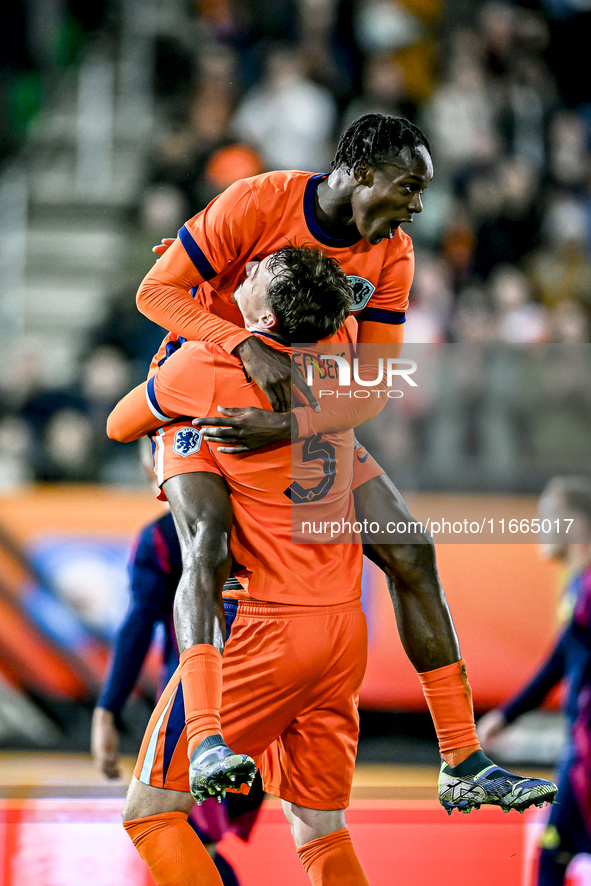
<point x="201" y="674"/>
<point x="449" y="697"/>
<point x="172" y="850"/>
<point x="331" y="861"/>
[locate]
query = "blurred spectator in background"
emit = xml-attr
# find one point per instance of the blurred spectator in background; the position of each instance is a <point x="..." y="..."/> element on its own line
<point x="69" y="424"/>
<point x="504" y="205"/>
<point x="286" y="116"/>
<point x="16" y="451"/>
<point x="568" y="150"/>
<point x="459" y="116"/>
<point x="383" y="92"/>
<point x="504" y="245"/>
<point x="519" y="319"/>
<point x="196" y="124"/>
<point x="69" y="451"/>
<point x="432" y="301"/>
<point x="560" y="270"/>
<point x="568" y="830"/>
<point x="570" y="323"/>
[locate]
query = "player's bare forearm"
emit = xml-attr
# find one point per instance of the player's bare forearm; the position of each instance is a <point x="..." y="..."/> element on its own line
<point x="241" y="430"/>
<point x="273" y="372"/>
<point x="104" y="742"/>
<point x="202" y="512"/>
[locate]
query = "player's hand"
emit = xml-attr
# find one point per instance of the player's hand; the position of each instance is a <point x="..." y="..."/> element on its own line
<point x="274" y="373"/>
<point x="162" y="247"/>
<point x="104" y="742"/>
<point x="490" y="726"/>
<point x="244" y="429"/>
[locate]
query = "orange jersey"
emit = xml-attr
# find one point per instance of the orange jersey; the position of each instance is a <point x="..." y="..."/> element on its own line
<point x="252" y="219"/>
<point x="131" y="419"/>
<point x="266" y="484"/>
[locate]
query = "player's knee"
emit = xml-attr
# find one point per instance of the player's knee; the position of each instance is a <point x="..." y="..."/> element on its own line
<point x="311" y="824"/>
<point x="138" y="803"/>
<point x="207" y="551"/>
<point x="143" y="800"/>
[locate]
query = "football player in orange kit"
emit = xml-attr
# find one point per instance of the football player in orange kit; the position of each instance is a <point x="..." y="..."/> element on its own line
<point x="353" y="214"/>
<point x="296" y="649"/>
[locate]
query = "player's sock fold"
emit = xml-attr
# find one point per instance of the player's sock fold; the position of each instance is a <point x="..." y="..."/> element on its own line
<point x="332" y="861"/>
<point x="476" y="763"/>
<point x="172" y="850"/>
<point x="449" y="698"/>
<point x="201" y="674"/>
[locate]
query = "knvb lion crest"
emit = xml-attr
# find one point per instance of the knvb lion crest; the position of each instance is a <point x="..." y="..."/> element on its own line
<point x="362" y="292"/>
<point x="187" y="441"/>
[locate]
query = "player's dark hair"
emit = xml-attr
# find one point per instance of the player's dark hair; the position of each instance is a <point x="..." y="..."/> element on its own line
<point x="374" y="138"/>
<point x="310" y="294"/>
<point x="576" y="492"/>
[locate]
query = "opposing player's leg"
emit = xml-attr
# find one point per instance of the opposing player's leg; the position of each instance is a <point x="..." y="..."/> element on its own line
<point x="156" y="821"/>
<point x="202" y="512"/>
<point x="568" y="829"/>
<point x="468" y="778"/>
<point x="324" y="846"/>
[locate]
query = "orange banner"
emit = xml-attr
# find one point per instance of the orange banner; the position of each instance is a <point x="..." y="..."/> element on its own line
<point x="502" y="597"/>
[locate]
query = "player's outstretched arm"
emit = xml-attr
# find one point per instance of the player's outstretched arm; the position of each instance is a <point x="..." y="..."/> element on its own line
<point x="490" y="726"/>
<point x="242" y="430"/>
<point x="132" y="418"/>
<point x="551" y="672"/>
<point x="104" y="742"/>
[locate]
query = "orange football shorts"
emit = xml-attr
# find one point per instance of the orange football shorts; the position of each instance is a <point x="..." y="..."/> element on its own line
<point x="292" y="676"/>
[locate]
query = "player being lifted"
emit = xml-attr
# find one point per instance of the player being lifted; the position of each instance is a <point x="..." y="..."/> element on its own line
<point x="297" y="640"/>
<point x="381" y="167"/>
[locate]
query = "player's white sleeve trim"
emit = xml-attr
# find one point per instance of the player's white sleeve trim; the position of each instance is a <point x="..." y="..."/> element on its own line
<point x="153" y="404"/>
<point x="159" y="456"/>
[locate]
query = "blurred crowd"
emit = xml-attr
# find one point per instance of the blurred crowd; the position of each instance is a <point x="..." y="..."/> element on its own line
<point x="503" y="246"/>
